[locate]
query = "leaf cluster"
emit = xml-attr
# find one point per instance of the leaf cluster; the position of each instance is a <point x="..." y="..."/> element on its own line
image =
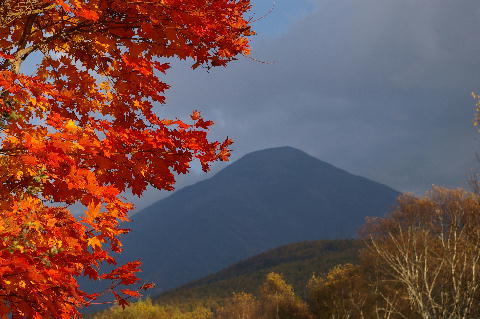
<point x="83" y="128"/>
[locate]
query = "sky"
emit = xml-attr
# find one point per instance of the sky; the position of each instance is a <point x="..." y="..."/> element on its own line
<point x="380" y="88"/>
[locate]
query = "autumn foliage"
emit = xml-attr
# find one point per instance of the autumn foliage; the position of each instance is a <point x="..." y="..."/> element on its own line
<point x="83" y="128"/>
<point x="420" y="262"/>
<point x="423" y="258"/>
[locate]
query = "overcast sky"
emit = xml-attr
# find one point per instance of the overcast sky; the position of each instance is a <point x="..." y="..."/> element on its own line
<point x="380" y="88"/>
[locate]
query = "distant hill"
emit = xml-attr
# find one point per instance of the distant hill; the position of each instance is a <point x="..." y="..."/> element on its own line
<point x="296" y="262"/>
<point x="265" y="199"/>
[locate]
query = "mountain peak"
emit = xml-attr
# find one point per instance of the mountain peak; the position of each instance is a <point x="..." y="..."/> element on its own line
<point x="278" y="150"/>
<point x="280" y="165"/>
<point x="276" y="153"/>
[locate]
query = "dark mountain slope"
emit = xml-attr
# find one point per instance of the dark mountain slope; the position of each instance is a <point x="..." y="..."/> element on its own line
<point x="296" y="262"/>
<point x="266" y="199"/>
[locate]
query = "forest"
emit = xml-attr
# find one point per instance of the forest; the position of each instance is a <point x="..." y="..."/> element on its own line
<point x="420" y="261"/>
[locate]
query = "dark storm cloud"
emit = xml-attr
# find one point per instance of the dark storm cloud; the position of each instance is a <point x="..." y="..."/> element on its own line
<point x="378" y="87"/>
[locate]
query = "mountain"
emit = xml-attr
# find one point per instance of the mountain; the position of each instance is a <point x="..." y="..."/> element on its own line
<point x="296" y="262"/>
<point x="265" y="199"/>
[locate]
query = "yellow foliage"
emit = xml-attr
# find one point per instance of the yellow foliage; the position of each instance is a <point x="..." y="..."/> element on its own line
<point x="146" y="309"/>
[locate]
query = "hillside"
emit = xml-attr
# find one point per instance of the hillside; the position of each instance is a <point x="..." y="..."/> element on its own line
<point x="265" y="199"/>
<point x="296" y="262"/>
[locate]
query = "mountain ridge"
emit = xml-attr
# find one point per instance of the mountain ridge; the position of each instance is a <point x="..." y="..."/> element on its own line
<point x="247" y="157"/>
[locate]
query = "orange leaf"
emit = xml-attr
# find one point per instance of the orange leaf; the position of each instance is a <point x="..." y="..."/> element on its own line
<point x="131" y="293"/>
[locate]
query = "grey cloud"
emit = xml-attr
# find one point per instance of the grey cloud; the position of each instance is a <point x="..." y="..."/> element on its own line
<point x="378" y="87"/>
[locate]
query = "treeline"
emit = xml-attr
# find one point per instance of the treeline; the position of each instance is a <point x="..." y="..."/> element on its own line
<point x="421" y="261"/>
<point x="296" y="262"/>
<point x="276" y="299"/>
<point x="145" y="309"/>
